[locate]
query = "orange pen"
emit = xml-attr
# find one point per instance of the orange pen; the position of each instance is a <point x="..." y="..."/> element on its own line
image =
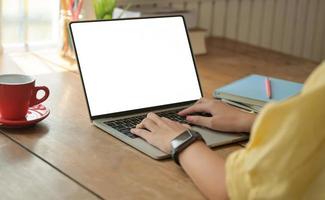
<point x="268" y="87"/>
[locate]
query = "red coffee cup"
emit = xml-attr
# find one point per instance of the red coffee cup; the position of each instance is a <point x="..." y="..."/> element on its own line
<point x="17" y="93"/>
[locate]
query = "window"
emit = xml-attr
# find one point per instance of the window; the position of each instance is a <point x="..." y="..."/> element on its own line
<point x="29" y="23"/>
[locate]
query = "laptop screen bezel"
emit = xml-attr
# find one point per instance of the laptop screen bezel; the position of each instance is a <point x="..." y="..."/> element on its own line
<point x="140" y="110"/>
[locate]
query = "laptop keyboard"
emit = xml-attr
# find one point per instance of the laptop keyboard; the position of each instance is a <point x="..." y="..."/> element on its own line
<point x="124" y="125"/>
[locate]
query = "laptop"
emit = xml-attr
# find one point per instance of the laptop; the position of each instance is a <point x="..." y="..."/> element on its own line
<point x="130" y="67"/>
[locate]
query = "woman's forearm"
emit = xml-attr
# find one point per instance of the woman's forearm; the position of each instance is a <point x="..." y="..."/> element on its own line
<point x="206" y="169"/>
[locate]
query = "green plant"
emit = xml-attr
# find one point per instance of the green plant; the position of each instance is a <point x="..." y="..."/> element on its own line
<point x="104" y="8"/>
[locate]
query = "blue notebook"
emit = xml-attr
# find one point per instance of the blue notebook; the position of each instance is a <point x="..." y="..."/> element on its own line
<point x="251" y="90"/>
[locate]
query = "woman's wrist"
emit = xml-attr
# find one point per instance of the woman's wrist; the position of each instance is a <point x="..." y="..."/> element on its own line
<point x="206" y="169"/>
<point x="245" y="122"/>
<point x="188" y="152"/>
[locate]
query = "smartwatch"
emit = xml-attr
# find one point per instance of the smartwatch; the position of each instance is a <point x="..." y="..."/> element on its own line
<point x="182" y="141"/>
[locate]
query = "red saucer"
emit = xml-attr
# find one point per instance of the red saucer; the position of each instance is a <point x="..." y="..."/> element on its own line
<point x="35" y="114"/>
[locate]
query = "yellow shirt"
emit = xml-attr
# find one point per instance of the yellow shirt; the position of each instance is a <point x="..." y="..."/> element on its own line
<point x="285" y="157"/>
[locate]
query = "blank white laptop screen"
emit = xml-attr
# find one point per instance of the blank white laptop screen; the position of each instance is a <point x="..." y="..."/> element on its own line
<point x="135" y="63"/>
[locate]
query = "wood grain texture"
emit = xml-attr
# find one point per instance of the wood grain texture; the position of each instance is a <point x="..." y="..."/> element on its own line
<point x="24" y="176"/>
<point x="114" y="170"/>
<point x="230" y="60"/>
<point x="102" y="163"/>
<point x="8" y="66"/>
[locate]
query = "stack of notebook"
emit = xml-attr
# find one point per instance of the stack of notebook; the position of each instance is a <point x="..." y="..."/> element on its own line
<point x="250" y="93"/>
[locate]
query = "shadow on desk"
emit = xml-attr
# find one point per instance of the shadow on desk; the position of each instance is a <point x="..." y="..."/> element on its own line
<point x="32" y="133"/>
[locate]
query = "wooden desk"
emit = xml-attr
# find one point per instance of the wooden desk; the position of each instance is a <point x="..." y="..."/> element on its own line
<point x="66" y="157"/>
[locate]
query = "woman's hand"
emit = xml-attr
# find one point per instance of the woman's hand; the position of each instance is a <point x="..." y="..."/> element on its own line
<point x="223" y="116"/>
<point x="159" y="131"/>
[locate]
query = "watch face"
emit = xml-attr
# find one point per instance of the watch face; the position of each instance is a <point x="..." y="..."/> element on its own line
<point x="181" y="139"/>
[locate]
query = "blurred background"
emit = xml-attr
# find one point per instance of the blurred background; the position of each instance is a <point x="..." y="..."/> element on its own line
<point x="293" y="27"/>
<point x="29" y="22"/>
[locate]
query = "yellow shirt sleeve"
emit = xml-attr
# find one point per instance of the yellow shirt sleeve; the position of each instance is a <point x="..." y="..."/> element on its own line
<point x="285" y="157"/>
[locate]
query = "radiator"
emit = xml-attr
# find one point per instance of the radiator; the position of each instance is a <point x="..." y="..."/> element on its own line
<point x="294" y="27"/>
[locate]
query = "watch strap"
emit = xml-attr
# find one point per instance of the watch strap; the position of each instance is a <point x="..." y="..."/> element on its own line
<point x="192" y="137"/>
